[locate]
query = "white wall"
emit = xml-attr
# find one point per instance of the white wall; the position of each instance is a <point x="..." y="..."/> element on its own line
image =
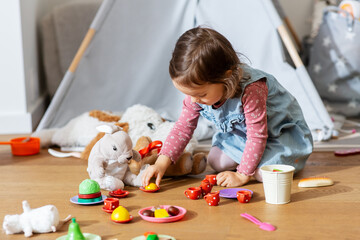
<point x="22" y="98"/>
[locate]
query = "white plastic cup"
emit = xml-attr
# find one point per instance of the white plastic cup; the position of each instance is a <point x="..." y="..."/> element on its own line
<point x="277" y="182"/>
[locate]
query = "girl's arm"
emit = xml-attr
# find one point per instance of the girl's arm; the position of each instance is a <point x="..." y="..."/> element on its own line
<point x="175" y="142"/>
<point x="182" y="131"/>
<point x="254" y="105"/>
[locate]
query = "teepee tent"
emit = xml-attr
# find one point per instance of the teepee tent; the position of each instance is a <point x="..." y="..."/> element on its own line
<point x="123" y="59"/>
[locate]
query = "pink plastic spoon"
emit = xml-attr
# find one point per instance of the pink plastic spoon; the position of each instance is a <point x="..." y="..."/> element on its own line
<point x="263" y="225"/>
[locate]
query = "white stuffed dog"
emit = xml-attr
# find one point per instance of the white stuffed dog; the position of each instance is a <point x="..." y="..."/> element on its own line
<point x="108" y="160"/>
<point x="38" y="220"/>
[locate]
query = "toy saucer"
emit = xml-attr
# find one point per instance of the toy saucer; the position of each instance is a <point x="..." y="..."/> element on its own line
<point x="88" y="236"/>
<point x="107" y="210"/>
<point x="75" y="200"/>
<point x="231" y="192"/>
<point x="122" y="195"/>
<point x="124" y="221"/>
<point x="149" y="191"/>
<point x="166" y="219"/>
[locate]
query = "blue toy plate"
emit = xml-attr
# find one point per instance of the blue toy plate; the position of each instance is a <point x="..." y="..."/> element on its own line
<point x="75" y="199"/>
<point x="231" y="192"/>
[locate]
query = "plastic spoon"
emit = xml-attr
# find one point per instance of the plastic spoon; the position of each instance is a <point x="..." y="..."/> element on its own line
<point x="263" y="225"/>
<point x="63" y="154"/>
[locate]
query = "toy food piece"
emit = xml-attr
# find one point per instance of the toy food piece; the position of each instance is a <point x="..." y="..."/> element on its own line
<point x="118" y="191"/>
<point x="173" y="211"/>
<point x="89" y="191"/>
<point x="148" y="213"/>
<point x="153" y="236"/>
<point x="120" y="214"/>
<point x="74" y="233"/>
<point x="315" y="182"/>
<point x="161" y="213"/>
<point x="151" y="186"/>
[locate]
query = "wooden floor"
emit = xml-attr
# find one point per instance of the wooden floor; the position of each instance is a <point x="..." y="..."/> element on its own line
<point x="317" y="213"/>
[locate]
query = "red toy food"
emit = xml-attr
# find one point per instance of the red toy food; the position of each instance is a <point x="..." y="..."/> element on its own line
<point x="148" y="213"/>
<point x="173" y="211"/>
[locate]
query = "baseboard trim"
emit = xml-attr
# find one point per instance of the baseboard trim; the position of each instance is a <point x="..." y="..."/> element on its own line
<point x="23" y="123"/>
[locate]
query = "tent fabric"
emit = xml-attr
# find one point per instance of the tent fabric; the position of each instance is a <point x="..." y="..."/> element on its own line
<point x="127" y="60"/>
<point x="252" y="31"/>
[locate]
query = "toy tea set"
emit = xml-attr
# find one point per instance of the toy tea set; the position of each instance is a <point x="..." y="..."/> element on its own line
<point x="277" y="181"/>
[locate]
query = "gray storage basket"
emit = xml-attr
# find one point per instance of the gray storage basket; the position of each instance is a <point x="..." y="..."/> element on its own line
<point x="334" y="63"/>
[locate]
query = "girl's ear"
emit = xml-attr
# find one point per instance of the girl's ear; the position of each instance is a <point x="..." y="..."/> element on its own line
<point x="228" y="73"/>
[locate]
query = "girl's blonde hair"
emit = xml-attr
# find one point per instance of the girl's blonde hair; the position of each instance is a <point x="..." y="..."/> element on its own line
<point x="204" y="56"/>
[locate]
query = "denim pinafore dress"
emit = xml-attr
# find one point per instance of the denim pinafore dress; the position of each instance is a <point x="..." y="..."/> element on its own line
<point x="289" y="138"/>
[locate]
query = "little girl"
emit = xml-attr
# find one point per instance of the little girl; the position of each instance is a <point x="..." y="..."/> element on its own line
<point x="258" y="122"/>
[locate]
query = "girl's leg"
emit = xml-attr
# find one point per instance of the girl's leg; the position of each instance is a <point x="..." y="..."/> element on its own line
<point x="219" y="161"/>
<point x="258" y="175"/>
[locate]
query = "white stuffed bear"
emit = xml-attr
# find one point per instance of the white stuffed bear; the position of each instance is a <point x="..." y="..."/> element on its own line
<point x="38" y="220"/>
<point x="108" y="160"/>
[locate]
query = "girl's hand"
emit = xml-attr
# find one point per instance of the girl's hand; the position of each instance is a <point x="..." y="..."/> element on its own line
<point x="232" y="179"/>
<point x="157" y="170"/>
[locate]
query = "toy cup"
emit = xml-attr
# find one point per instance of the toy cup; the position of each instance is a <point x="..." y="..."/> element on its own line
<point x="193" y="193"/>
<point x="211" y="178"/>
<point x="111" y="203"/>
<point x="212" y="198"/>
<point x="243" y="196"/>
<point x="277" y="181"/>
<point x="205" y="186"/>
<point x="24" y="146"/>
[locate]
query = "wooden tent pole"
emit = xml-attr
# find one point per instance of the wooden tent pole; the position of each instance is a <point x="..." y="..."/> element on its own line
<point x="84" y="44"/>
<point x="290" y="46"/>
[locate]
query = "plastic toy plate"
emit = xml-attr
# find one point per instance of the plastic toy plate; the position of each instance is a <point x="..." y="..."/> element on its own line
<point x="231" y="192"/>
<point x="88" y="236"/>
<point x="107" y="210"/>
<point x="75" y="200"/>
<point x="166" y="219"/>
<point x="123" y="221"/>
<point x="150" y="191"/>
<point x="124" y="194"/>
<point x="161" y="237"/>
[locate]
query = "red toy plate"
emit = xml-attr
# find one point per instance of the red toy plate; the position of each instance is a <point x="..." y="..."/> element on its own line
<point x="150" y="191"/>
<point x="166" y="219"/>
<point x="125" y="221"/>
<point x="107" y="210"/>
<point x="124" y="194"/>
<point x="87" y="196"/>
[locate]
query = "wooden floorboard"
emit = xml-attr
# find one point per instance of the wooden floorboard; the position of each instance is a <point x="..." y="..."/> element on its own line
<point x="316" y="213"/>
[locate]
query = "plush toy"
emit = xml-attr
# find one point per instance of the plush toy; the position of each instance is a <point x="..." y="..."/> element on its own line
<point x="78" y="132"/>
<point x="108" y="160"/>
<point x="144" y="125"/>
<point x="38" y="220"/>
<point x="139" y="121"/>
<point x="187" y="163"/>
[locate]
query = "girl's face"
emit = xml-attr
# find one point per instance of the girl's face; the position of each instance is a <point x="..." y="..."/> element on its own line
<point x="207" y="94"/>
